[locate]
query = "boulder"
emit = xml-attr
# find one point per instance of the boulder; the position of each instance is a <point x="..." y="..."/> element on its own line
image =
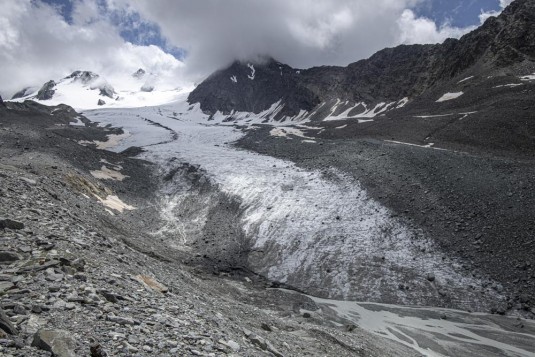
<point x="11" y="224"/>
<point x="6" y="325"/>
<point x="101" y="102"/>
<point x="59" y="342"/>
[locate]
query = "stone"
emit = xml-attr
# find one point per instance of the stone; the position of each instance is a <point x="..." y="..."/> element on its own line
<point x="8" y="257"/>
<point x="11" y="224"/>
<point x="6" y="325"/>
<point x="266" y="327"/>
<point x="430" y="277"/>
<point x="273" y="350"/>
<point x="259" y="341"/>
<point x="121" y="320"/>
<point x="101" y="102"/>
<point x="235" y="346"/>
<point x="59" y="342"/>
<point x="19" y="310"/>
<point x="96" y="350"/>
<point x="5" y="286"/>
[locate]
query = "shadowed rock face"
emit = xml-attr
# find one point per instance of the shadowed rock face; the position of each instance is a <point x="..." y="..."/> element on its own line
<point x="505" y="43"/>
<point x="47" y="91"/>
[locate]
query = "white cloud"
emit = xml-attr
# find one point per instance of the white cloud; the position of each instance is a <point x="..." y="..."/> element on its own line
<point x="301" y="33"/>
<point x="423" y="30"/>
<point x="486" y="14"/>
<point x="37" y="45"/>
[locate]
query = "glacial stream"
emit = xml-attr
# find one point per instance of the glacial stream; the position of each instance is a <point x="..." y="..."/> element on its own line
<point x="321" y="233"/>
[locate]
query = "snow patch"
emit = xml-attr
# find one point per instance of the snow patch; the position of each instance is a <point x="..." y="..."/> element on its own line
<point x="284" y="132"/>
<point x="113" y="140"/>
<point x="115" y="203"/>
<point x="510" y="85"/>
<point x="449" y="96"/>
<point x="253" y="71"/>
<point x="466" y="79"/>
<point x="402" y="102"/>
<point x="234" y="79"/>
<point x="106" y="173"/>
<point x="530" y="77"/>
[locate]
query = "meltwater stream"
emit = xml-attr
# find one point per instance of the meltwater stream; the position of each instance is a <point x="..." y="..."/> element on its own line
<point x="322" y="235"/>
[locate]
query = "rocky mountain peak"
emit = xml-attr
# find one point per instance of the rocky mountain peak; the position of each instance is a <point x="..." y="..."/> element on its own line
<point x="83" y="76"/>
<point x="140" y="73"/>
<point x="47" y="91"/>
<point x="506" y="41"/>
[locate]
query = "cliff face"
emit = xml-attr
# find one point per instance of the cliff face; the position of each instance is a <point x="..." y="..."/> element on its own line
<point x="503" y="44"/>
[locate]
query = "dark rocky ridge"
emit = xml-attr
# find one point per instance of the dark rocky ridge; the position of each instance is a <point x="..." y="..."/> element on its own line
<point x="503" y="44"/>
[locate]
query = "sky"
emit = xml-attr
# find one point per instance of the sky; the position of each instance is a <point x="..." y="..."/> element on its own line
<point x="186" y="40"/>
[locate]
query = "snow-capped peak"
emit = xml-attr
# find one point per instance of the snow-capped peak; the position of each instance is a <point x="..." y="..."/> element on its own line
<point x="89" y="90"/>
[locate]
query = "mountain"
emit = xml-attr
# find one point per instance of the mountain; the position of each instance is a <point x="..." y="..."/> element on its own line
<point x="89" y="90"/>
<point x="503" y="45"/>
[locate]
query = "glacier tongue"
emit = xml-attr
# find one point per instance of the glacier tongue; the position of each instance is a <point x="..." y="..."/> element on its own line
<point x="322" y="235"/>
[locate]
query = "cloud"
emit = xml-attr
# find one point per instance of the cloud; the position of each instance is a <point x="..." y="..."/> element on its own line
<point x="37" y="44"/>
<point x="423" y="30"/>
<point x="302" y="33"/>
<point x="486" y="14"/>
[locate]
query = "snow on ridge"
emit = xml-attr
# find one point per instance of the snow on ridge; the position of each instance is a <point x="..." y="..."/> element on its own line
<point x="234" y="79"/>
<point x="529" y="77"/>
<point x="449" y="96"/>
<point x="466" y="79"/>
<point x="253" y="71"/>
<point x="369" y="113"/>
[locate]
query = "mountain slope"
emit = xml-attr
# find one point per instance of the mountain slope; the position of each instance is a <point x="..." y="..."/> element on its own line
<point x="505" y="44"/>
<point x="88" y="90"/>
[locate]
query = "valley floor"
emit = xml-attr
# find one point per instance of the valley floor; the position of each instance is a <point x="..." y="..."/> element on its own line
<point x="184" y="252"/>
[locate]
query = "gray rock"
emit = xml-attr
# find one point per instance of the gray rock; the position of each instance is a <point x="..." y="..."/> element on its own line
<point x="8" y="257"/>
<point x="235" y="346"/>
<point x="101" y="102"/>
<point x="121" y="320"/>
<point x="59" y="342"/>
<point x="6" y="325"/>
<point x="11" y="224"/>
<point x="147" y="88"/>
<point x="259" y="341"/>
<point x="47" y="91"/>
<point x="430" y="277"/>
<point x="139" y="73"/>
<point x="96" y="350"/>
<point x="5" y="286"/>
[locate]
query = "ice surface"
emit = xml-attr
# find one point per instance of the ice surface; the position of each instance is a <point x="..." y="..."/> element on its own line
<point x="321" y="234"/>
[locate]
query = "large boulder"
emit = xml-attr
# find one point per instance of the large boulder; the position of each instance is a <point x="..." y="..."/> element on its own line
<point x="59" y="342"/>
<point x="11" y="224"/>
